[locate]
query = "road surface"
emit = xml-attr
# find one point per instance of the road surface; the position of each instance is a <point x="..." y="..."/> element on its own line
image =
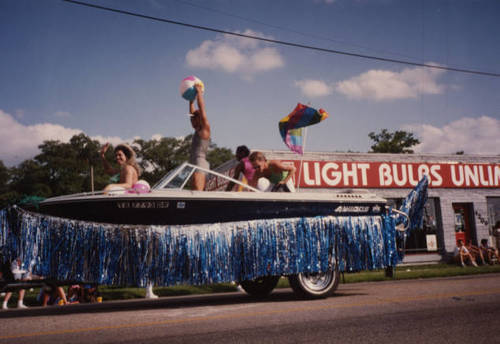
<point x="445" y="310"/>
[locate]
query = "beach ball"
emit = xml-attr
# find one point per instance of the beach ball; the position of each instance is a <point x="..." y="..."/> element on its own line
<point x="187" y="89"/>
<point x="263" y="184"/>
<point x="141" y="186"/>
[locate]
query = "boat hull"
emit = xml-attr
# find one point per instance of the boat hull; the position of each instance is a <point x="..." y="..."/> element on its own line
<point x="162" y="211"/>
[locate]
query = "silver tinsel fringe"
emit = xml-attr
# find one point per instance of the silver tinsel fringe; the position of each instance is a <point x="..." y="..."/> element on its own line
<point x="65" y="250"/>
<point x="68" y="250"/>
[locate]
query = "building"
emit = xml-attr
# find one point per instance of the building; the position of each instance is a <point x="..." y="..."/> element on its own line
<point x="464" y="191"/>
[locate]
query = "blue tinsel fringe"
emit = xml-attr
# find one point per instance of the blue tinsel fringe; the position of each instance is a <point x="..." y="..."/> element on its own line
<point x="108" y="254"/>
<point x="413" y="205"/>
<point x="194" y="254"/>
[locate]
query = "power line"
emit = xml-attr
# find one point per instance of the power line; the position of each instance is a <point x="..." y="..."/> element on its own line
<point x="315" y="36"/>
<point x="285" y="43"/>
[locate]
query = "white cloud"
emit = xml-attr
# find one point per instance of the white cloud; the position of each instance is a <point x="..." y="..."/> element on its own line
<point x="314" y="88"/>
<point x="471" y="135"/>
<point x="157" y="137"/>
<point x="19" y="142"/>
<point x="234" y="54"/>
<point x="380" y="85"/>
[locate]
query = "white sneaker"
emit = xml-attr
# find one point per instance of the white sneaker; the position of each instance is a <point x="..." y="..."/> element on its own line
<point x="21" y="305"/>
<point x="149" y="292"/>
<point x="474" y="263"/>
<point x="4" y="306"/>
<point x="463" y="265"/>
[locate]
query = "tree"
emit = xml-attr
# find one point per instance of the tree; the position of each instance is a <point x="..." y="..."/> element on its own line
<point x="67" y="165"/>
<point x="29" y="178"/>
<point x="6" y="195"/>
<point x="397" y="142"/>
<point x="157" y="157"/>
<point x="216" y="156"/>
<point x="4" y="177"/>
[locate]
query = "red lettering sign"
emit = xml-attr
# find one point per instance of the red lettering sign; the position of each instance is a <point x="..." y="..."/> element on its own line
<point x="342" y="174"/>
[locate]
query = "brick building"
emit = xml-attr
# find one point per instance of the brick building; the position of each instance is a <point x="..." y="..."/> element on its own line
<point x="464" y="191"/>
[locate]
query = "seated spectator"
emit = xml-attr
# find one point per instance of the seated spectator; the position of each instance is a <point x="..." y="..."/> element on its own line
<point x="15" y="273"/>
<point x="74" y="293"/>
<point x="462" y="255"/>
<point x="129" y="171"/>
<point x="475" y="252"/>
<point x="275" y="171"/>
<point x="90" y="293"/>
<point x="53" y="296"/>
<point x="488" y="252"/>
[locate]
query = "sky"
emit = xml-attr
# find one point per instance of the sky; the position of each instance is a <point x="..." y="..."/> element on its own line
<point x="67" y="69"/>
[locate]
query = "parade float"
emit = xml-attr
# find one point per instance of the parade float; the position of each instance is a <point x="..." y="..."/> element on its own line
<point x="169" y="235"/>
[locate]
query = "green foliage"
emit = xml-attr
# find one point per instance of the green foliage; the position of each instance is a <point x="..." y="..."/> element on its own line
<point x="157" y="157"/>
<point x="7" y="196"/>
<point x="217" y="156"/>
<point x="397" y="142"/>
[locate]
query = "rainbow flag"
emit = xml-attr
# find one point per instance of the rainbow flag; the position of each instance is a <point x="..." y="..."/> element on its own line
<point x="291" y="125"/>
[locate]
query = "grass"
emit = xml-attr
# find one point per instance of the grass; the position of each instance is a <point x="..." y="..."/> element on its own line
<point x="400" y="273"/>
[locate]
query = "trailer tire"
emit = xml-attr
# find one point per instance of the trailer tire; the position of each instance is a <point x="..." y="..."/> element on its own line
<point x="260" y="287"/>
<point x="315" y="285"/>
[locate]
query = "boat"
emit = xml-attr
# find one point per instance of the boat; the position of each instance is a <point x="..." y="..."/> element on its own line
<point x="169" y="202"/>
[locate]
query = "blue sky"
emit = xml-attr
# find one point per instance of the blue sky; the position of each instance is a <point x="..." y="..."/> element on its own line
<point x="67" y="69"/>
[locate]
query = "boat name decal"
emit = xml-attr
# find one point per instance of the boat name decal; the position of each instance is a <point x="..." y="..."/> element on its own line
<point x="351" y="209"/>
<point x="142" y="204"/>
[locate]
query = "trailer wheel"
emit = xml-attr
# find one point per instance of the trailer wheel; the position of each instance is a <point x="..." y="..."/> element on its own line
<point x="315" y="285"/>
<point x="260" y="287"/>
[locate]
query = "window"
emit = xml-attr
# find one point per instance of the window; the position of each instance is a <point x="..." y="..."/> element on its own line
<point x="494" y="220"/>
<point x="429" y="238"/>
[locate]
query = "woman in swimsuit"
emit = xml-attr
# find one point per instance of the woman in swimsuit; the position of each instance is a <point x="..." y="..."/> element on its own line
<point x="128" y="173"/>
<point x="201" y="139"/>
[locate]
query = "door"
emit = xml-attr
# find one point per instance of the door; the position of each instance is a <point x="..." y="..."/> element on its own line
<point x="464" y="222"/>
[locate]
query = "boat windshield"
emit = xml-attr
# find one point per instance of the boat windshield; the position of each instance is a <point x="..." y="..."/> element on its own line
<point x="179" y="177"/>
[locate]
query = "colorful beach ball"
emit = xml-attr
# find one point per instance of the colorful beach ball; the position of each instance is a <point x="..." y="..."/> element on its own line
<point x="141" y="186"/>
<point x="187" y="89"/>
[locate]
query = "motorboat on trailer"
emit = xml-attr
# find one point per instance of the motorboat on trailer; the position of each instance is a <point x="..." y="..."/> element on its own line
<point x="169" y="202"/>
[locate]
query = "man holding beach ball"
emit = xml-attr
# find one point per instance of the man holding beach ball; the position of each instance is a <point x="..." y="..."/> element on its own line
<point x="192" y="90"/>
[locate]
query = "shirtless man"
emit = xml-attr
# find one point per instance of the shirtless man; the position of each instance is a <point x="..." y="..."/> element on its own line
<point x="201" y="139"/>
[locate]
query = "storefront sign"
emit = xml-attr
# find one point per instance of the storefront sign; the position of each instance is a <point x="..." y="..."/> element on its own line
<point x="431" y="240"/>
<point x="340" y="174"/>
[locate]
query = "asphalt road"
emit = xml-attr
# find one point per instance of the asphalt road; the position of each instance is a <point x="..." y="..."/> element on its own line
<point x="449" y="310"/>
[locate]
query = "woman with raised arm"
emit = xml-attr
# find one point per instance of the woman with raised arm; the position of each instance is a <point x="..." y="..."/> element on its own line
<point x="128" y="172"/>
<point x="201" y="139"/>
